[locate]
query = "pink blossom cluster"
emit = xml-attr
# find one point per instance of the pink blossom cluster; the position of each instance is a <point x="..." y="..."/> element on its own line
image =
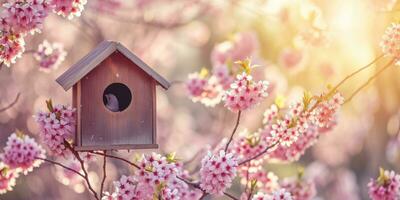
<point x="217" y="172"/>
<point x="299" y="189"/>
<point x="298" y="128"/>
<point x="209" y="89"/>
<point x="203" y="89"/>
<point x="20" y="17"/>
<point x="248" y="145"/>
<point x="323" y="116"/>
<point x="265" y="181"/>
<point x="68" y="8"/>
<point x="385" y="187"/>
<point x="244" y="93"/>
<point x="11" y="47"/>
<point x="129" y="188"/>
<point x="7" y="178"/>
<point x="390" y="43"/>
<point x="21" y="153"/>
<point x="49" y="55"/>
<point x="279" y="194"/>
<point x="157" y="175"/>
<point x="56" y="127"/>
<point x="24" y="16"/>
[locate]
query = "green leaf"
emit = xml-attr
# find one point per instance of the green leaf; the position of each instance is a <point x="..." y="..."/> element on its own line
<point x="49" y="104"/>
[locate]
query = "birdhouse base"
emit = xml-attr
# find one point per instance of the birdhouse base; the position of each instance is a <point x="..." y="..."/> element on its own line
<point x="117" y="147"/>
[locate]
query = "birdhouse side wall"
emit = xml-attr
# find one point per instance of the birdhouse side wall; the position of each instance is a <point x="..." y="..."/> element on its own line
<point x="100" y="128"/>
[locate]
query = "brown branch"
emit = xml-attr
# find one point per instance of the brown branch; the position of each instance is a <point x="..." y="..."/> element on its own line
<point x="259" y="154"/>
<point x="356" y="72"/>
<point x="116" y="157"/>
<point x="11" y="104"/>
<point x="234" y="130"/>
<point x="61" y="165"/>
<point x="104" y="173"/>
<point x="369" y="81"/>
<point x="85" y="173"/>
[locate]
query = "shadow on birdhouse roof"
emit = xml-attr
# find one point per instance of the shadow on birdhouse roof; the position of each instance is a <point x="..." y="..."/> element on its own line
<point x="96" y="56"/>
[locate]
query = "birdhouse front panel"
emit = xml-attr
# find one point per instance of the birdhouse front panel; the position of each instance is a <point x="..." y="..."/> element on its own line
<point x="117" y="106"/>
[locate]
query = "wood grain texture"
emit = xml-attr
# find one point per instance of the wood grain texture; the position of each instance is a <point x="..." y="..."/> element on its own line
<point x="132" y="127"/>
<point x="96" y="56"/>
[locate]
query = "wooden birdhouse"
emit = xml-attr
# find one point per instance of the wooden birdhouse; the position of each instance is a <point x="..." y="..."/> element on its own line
<point x="115" y="96"/>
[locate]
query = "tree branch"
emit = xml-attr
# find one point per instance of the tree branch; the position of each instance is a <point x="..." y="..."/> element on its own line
<point x="85" y="173"/>
<point x="11" y="104"/>
<point x="234" y="130"/>
<point x="104" y="173"/>
<point x="61" y="165"/>
<point x="369" y="81"/>
<point x="259" y="154"/>
<point x="116" y="157"/>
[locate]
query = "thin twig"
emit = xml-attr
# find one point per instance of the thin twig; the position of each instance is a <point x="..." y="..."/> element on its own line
<point x="104" y="173"/>
<point x="259" y="154"/>
<point x="369" y="81"/>
<point x="230" y="196"/>
<point x="356" y="72"/>
<point x="61" y="165"/>
<point x="234" y="130"/>
<point x="11" y="104"/>
<point x="85" y="173"/>
<point x="116" y="157"/>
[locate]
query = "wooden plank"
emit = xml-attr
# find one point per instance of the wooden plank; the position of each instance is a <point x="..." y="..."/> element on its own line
<point x="96" y="56"/>
<point x="86" y="64"/>
<point x="102" y="127"/>
<point x="117" y="147"/>
<point x="78" y="134"/>
<point x="164" y="83"/>
<point x="154" y="109"/>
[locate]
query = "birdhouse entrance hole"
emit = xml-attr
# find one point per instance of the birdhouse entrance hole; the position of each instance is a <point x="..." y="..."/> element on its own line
<point x="117" y="97"/>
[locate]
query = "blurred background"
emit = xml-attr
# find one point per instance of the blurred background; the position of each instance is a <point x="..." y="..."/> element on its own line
<point x="299" y="45"/>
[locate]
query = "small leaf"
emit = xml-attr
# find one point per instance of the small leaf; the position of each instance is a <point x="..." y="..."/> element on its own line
<point x="19" y="133"/>
<point x="245" y="64"/>
<point x="382" y="179"/>
<point x="49" y="104"/>
<point x="171" y="157"/>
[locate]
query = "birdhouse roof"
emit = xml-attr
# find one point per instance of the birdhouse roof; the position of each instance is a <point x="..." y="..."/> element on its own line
<point x="96" y="56"/>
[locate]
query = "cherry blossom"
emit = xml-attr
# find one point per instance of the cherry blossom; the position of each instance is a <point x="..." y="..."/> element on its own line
<point x="390" y="43"/>
<point x="386" y="186"/>
<point x="49" y="55"/>
<point x="24" y="16"/>
<point x="129" y="188"/>
<point x="12" y="46"/>
<point x="56" y="126"/>
<point x="280" y="194"/>
<point x="323" y="116"/>
<point x="7" y="178"/>
<point x="299" y="189"/>
<point x="217" y="172"/>
<point x="68" y="8"/>
<point x="21" y="153"/>
<point x="204" y="89"/>
<point x="245" y="93"/>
